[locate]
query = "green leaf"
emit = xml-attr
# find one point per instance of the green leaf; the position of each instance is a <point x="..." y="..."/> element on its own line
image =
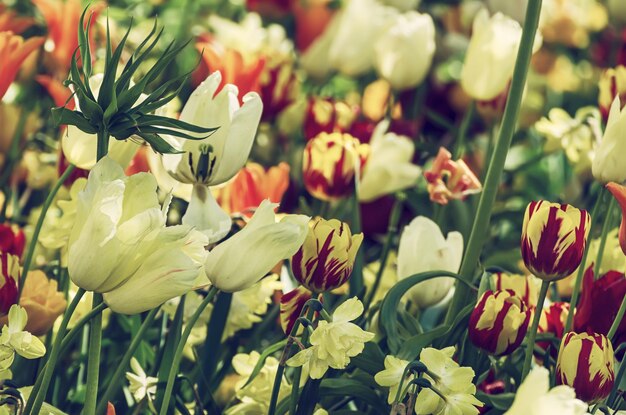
<point x="63" y="116"/>
<point x="502" y="401"/>
<point x="343" y="387"/>
<point x="83" y="43"/>
<point x="209" y="356"/>
<point x="158" y="144"/>
<point x="371" y="359"/>
<point x="389" y="307"/>
<point x="107" y="95"/>
<point x="261" y="362"/>
<point x="171" y="342"/>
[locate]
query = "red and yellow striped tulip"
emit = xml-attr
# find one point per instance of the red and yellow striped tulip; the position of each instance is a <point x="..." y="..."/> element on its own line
<point x="331" y="164"/>
<point x="499" y="322"/>
<point x="552" y="321"/>
<point x="325" y="260"/>
<point x="586" y="363"/>
<point x="553" y="239"/>
<point x="291" y="305"/>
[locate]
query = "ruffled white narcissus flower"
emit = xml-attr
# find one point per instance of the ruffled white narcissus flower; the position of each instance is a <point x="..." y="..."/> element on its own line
<point x="14" y="339"/>
<point x="141" y="385"/>
<point x="534" y="397"/>
<point x="451" y="380"/>
<point x="215" y="159"/>
<point x="334" y="343"/>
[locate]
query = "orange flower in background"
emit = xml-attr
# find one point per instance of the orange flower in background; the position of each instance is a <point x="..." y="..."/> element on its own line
<point x="13" y="51"/>
<point x="619" y="193"/>
<point x="311" y="17"/>
<point x="232" y="65"/>
<point x="42" y="301"/>
<point x="252" y="185"/>
<point x="11" y="22"/>
<point x="448" y="179"/>
<point x="59" y="93"/>
<point x="62" y="19"/>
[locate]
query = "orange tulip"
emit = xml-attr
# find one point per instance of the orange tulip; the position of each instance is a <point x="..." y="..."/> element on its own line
<point x="62" y="19"/>
<point x="448" y="179"/>
<point x="234" y="68"/>
<point x="13" y="51"/>
<point x="252" y="185"/>
<point x="11" y="22"/>
<point x="59" y="93"/>
<point x="619" y="193"/>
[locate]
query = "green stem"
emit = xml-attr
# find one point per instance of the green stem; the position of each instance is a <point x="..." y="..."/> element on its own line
<point x="38" y="394"/>
<point x="459" y="145"/>
<point x="178" y="355"/>
<point x="276" y="387"/>
<point x="532" y="334"/>
<point x="356" y="280"/>
<point x="496" y="165"/>
<point x="103" y="144"/>
<point x="93" y="359"/>
<point x="605" y="231"/>
<point x="392" y="231"/>
<point x="581" y="270"/>
<point x="295" y="382"/>
<point x="28" y="259"/>
<point x="119" y="372"/>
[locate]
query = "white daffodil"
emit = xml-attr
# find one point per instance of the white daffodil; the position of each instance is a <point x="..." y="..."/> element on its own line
<point x="392" y="376"/>
<point x="141" y="385"/>
<point x="334" y="343"/>
<point x="14" y="336"/>
<point x="217" y="158"/>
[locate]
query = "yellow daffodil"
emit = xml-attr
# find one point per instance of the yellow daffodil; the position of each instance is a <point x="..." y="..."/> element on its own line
<point x="392" y="375"/>
<point x="334" y="343"/>
<point x="14" y="336"/>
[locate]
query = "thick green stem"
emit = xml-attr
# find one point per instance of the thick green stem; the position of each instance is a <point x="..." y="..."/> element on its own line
<point x="606" y="227"/>
<point x="356" y="280"/>
<point x="532" y="333"/>
<point x="103" y="144"/>
<point x="178" y="355"/>
<point x="276" y="387"/>
<point x="119" y="372"/>
<point x="496" y="166"/>
<point x="28" y="259"/>
<point x="38" y="394"/>
<point x="93" y="359"/>
<point x="392" y="230"/>
<point x="581" y="270"/>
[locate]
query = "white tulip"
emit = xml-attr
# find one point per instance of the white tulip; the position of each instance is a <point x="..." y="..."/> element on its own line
<point x="404" y="52"/>
<point x="242" y="260"/>
<point x="607" y="163"/>
<point x="423" y="248"/>
<point x="119" y="244"/>
<point x="388" y="168"/>
<point x="80" y="147"/>
<point x="491" y="55"/>
<point x="217" y="158"/>
<point x="513" y="8"/>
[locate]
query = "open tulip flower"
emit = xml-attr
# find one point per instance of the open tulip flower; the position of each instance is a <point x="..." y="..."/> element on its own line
<point x="553" y="239"/>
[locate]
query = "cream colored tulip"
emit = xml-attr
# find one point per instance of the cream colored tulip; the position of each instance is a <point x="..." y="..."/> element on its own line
<point x="491" y="55"/>
<point x="388" y="168"/>
<point x="242" y="260"/>
<point x="119" y="244"/>
<point x="424" y="248"/>
<point x="217" y="158"/>
<point x="79" y="147"/>
<point x="404" y="52"/>
<point x="608" y="163"/>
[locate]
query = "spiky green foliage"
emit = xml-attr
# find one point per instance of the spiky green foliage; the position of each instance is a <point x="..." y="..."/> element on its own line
<point x="118" y="109"/>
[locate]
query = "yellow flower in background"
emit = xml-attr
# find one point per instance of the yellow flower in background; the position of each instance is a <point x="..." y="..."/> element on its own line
<point x="141" y="385"/>
<point x="326" y="258"/>
<point x="392" y="375"/>
<point x="491" y="55"/>
<point x="334" y="343"/>
<point x="332" y="163"/>
<point x="534" y="397"/>
<point x="263" y="242"/>
<point x="15" y="337"/>
<point x="424" y="248"/>
<point x="586" y="363"/>
<point x="120" y="246"/>
<point x="570" y="22"/>
<point x="451" y="380"/>
<point x="612" y="84"/>
<point x="389" y="277"/>
<point x="577" y="136"/>
<point x="608" y="165"/>
<point x="255" y="397"/>
<point x="553" y="239"/>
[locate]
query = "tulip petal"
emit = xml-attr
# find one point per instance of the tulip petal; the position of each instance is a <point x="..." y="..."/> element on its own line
<point x="204" y="214"/>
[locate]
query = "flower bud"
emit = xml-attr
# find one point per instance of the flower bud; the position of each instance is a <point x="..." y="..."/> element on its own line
<point x="12" y="240"/>
<point x="586" y="363"/>
<point x="612" y="83"/>
<point x="553" y="239"/>
<point x="331" y="163"/>
<point x="9" y="278"/>
<point x="499" y="322"/>
<point x="325" y="260"/>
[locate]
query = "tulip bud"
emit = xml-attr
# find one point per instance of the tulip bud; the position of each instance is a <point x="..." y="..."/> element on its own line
<point x="331" y="163"/>
<point x="612" y="83"/>
<point x="524" y="286"/>
<point x="325" y="260"/>
<point x="619" y="192"/>
<point x="499" y="322"/>
<point x="553" y="239"/>
<point x="12" y="240"/>
<point x="9" y="279"/>
<point x="586" y="363"/>
<point x="607" y="165"/>
<point x="552" y="321"/>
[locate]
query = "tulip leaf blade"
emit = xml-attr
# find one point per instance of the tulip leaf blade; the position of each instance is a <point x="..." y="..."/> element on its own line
<point x="343" y="387"/>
